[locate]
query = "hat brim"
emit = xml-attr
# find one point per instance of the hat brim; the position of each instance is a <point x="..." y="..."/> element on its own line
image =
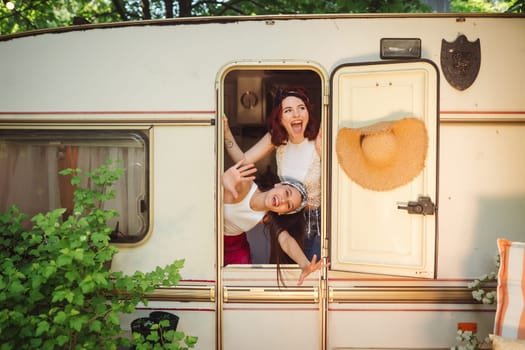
<point x="407" y="161"/>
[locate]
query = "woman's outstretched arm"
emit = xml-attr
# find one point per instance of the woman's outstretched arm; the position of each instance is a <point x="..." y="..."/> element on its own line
<point x="290" y="246"/>
<point x="257" y="152"/>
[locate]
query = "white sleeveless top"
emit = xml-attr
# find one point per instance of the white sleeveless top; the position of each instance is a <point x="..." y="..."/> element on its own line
<point x="301" y="162"/>
<point x="239" y="217"/>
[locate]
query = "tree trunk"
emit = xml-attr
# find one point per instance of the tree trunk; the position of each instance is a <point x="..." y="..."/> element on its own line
<point x="169" y="8"/>
<point x="146" y="13"/>
<point x="184" y="8"/>
<point x="120" y="10"/>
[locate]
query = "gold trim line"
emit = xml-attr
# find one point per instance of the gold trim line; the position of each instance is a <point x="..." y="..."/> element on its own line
<point x="184" y="293"/>
<point x="271" y="295"/>
<point x="412" y="295"/>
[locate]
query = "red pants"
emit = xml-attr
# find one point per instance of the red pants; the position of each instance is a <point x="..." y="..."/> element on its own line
<point x="237" y="250"/>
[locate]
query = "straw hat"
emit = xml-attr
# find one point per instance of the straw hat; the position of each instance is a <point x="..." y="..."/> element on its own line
<point x="384" y="155"/>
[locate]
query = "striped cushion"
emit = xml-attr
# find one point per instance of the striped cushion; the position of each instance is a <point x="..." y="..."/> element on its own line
<point x="510" y="311"/>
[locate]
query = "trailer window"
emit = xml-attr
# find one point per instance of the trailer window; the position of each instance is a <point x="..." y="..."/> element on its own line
<point x="30" y="162"/>
<point x="248" y="99"/>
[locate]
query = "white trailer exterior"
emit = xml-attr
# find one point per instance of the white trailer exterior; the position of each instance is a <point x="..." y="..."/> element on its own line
<point x="396" y="280"/>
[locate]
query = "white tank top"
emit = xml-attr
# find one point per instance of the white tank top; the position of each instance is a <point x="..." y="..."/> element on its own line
<point x="301" y="162"/>
<point x="239" y="217"/>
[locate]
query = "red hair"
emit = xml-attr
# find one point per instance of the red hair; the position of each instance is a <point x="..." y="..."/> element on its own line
<point x="273" y="122"/>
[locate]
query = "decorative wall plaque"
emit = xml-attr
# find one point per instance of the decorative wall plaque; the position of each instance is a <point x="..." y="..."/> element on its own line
<point x="460" y="61"/>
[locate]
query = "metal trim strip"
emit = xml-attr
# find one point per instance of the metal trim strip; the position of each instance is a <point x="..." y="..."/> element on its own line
<point x="411" y="295"/>
<point x="271" y="295"/>
<point x="184" y="293"/>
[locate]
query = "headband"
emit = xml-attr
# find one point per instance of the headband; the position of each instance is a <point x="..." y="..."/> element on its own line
<point x="281" y="94"/>
<point x="302" y="190"/>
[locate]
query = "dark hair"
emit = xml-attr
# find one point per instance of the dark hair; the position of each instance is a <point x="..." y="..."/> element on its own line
<point x="273" y="122"/>
<point x="294" y="224"/>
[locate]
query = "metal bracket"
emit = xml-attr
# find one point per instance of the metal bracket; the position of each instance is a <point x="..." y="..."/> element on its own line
<point x="423" y="206"/>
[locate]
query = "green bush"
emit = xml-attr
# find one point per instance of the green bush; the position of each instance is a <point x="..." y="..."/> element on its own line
<point x="56" y="291"/>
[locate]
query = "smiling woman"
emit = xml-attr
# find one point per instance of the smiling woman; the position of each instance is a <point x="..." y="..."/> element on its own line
<point x="245" y="205"/>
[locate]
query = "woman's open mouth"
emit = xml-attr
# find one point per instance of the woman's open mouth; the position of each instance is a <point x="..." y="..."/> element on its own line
<point x="276" y="201"/>
<point x="297" y="126"/>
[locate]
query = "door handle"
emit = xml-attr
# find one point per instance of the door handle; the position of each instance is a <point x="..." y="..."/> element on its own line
<point x="423" y="206"/>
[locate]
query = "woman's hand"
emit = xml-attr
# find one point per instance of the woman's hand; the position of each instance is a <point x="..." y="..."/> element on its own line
<point x="313" y="266"/>
<point x="228" y="136"/>
<point x="237" y="174"/>
<point x="318" y="143"/>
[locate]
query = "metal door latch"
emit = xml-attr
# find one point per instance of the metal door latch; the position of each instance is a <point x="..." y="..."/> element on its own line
<point x="423" y="206"/>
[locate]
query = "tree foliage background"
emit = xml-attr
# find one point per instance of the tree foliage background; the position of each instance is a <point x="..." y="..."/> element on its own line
<point x="23" y="15"/>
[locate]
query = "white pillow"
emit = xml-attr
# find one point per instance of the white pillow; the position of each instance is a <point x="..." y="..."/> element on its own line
<point x="500" y="343"/>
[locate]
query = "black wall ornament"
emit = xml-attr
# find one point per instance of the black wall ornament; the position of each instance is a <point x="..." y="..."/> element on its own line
<point x="460" y="61"/>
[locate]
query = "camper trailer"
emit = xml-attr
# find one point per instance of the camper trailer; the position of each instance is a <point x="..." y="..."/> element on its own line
<point x="154" y="94"/>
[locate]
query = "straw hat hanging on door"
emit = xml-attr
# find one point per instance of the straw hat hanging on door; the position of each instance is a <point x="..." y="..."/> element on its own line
<point x="384" y="155"/>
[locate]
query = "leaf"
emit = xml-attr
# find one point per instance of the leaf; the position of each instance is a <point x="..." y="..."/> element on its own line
<point x="191" y="341"/>
<point x="72" y="275"/>
<point x="76" y="323"/>
<point x="78" y="254"/>
<point x="76" y="180"/>
<point x="113" y="318"/>
<point x="65" y="171"/>
<point x="49" y="269"/>
<point x="153" y="336"/>
<point x="62" y="340"/>
<point x="78" y="299"/>
<point x="58" y="296"/>
<point x="100" y="279"/>
<point x="64" y="260"/>
<point x="42" y="327"/>
<point x="60" y="318"/>
<point x="87" y="284"/>
<point x="179" y="335"/>
<point x="16" y="288"/>
<point x="35" y="296"/>
<point x="95" y="326"/>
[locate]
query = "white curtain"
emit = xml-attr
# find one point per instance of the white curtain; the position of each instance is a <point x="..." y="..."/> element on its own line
<point x="129" y="189"/>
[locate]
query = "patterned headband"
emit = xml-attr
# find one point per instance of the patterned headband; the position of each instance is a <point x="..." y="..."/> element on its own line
<point x="302" y="190"/>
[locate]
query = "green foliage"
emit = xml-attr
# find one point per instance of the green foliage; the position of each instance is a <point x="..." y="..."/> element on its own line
<point x="517" y="6"/>
<point x="29" y="15"/>
<point x="316" y="7"/>
<point x="56" y="291"/>
<point x="485" y="6"/>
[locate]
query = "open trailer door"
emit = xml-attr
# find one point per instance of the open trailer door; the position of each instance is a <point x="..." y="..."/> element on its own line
<point x="384" y="148"/>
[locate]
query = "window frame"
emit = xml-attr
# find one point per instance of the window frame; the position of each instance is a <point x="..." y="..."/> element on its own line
<point x="284" y="68"/>
<point x="119" y="139"/>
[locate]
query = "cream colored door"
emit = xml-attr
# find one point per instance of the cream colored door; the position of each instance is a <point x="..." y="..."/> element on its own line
<point x="389" y="231"/>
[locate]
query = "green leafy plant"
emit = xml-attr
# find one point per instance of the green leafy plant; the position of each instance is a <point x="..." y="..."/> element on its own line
<point x="56" y="290"/>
